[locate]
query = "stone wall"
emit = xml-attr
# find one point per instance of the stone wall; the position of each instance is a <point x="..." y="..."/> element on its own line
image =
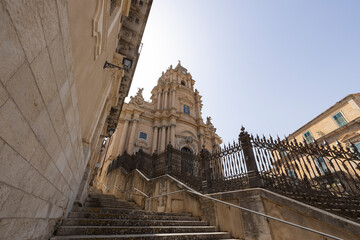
<point x="41" y="160"/>
<point x="57" y="101"/>
<point x="299" y="213"/>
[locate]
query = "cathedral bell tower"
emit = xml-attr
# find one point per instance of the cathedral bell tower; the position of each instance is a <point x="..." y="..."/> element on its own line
<point x="172" y="116"/>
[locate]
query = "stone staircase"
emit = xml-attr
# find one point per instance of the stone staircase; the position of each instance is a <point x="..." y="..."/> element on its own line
<point x="106" y="217"/>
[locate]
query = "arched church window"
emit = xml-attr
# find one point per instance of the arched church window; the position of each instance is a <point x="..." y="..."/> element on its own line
<point x="185" y="149"/>
<point x="186" y="109"/>
<point x="183" y="83"/>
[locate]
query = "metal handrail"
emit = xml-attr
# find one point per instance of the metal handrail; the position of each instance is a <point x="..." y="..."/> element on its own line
<point x="162" y="195"/>
<point x="251" y="211"/>
<point x="140" y="192"/>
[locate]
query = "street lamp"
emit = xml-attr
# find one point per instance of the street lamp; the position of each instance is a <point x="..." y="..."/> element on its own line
<point x="127" y="63"/>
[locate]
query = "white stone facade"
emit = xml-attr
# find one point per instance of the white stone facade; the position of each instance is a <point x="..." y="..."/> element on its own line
<point x="172" y="116"/>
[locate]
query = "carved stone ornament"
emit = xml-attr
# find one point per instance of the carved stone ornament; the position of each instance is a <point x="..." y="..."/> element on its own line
<point x="161" y="81"/>
<point x="209" y="126"/>
<point x="187" y="141"/>
<point x="141" y="143"/>
<point x="138" y="99"/>
<point x="186" y="100"/>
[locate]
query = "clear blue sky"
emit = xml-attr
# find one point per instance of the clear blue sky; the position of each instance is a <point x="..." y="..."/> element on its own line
<point x="271" y="66"/>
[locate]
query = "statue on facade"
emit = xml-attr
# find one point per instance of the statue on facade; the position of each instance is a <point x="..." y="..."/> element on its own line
<point x="208" y="120"/>
<point x="209" y="125"/>
<point x="139" y="92"/>
<point x="138" y="99"/>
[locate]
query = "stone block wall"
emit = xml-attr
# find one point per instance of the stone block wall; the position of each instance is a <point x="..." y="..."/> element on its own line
<point x="41" y="159"/>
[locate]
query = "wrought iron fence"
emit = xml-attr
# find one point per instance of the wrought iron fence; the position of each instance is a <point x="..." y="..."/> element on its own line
<point x="320" y="175"/>
<point x="324" y="176"/>
<point x="182" y="165"/>
<point x="228" y="169"/>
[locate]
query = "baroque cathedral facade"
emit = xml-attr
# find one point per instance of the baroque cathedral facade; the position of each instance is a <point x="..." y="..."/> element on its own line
<point x="173" y="116"/>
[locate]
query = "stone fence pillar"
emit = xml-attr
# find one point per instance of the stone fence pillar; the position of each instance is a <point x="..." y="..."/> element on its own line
<point x="253" y="173"/>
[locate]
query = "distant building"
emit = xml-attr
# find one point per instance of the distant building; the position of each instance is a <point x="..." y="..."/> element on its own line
<point x="340" y="122"/>
<point x="172" y="116"/>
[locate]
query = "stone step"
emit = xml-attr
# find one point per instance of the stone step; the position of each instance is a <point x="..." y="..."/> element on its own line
<point x="105" y="217"/>
<point x="175" y="236"/>
<point x="103" y="196"/>
<point x="110" y="200"/>
<point x="153" y="216"/>
<point x="107" y="210"/>
<point x="127" y="211"/>
<point x="108" y="205"/>
<point x="112" y="222"/>
<point x="103" y="230"/>
<point x="113" y="204"/>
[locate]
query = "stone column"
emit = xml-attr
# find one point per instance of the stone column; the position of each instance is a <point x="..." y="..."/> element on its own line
<point x="154" y="141"/>
<point x="168" y="136"/>
<point x="158" y="147"/>
<point x="172" y="134"/>
<point x="158" y="101"/>
<point x="163" y="100"/>
<point x="116" y="142"/>
<point x="132" y="136"/>
<point x="163" y="136"/>
<point x="201" y="140"/>
<point x="166" y="99"/>
<point x="201" y="135"/>
<point x="198" y="108"/>
<point x="173" y="98"/>
<point x="123" y="137"/>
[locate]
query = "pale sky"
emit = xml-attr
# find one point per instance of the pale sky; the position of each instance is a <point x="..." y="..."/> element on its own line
<point x="271" y="66"/>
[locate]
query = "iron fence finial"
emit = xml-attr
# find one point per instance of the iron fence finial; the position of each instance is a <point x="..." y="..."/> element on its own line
<point x="242" y="128"/>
